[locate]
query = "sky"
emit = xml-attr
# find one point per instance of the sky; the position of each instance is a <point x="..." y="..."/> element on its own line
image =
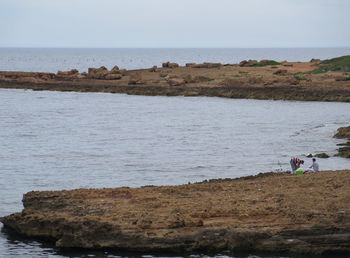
<point x="174" y="23"/>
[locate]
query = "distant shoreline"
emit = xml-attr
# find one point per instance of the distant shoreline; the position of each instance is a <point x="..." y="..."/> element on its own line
<point x="266" y="79"/>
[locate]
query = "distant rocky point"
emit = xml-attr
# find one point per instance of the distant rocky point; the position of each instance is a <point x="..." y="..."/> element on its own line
<point x="327" y="80"/>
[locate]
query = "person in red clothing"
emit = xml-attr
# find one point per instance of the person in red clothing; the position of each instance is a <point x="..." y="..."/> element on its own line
<point x="295" y="163"/>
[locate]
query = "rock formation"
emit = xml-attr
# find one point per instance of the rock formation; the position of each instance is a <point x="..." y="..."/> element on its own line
<point x="307" y="213"/>
<point x="344" y="132"/>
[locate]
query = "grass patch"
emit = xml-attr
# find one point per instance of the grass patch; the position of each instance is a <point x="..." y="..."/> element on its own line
<point x="266" y="63"/>
<point x="339" y="64"/>
<point x="298" y="78"/>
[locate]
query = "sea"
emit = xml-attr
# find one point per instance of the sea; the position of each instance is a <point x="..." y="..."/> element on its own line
<point x="66" y="140"/>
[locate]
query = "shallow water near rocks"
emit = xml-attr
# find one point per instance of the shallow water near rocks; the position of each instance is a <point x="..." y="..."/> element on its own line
<point x="65" y="140"/>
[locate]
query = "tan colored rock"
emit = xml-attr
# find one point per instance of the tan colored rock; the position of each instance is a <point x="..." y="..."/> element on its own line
<point x="123" y="72"/>
<point x="113" y="76"/>
<point x="98" y="73"/>
<point x="68" y="73"/>
<point x="153" y="69"/>
<point x="269" y="212"/>
<point x="313" y="60"/>
<point x="170" y="65"/>
<point x="341" y="78"/>
<point x="135" y="78"/>
<point x="176" y="82"/>
<point x="115" y="69"/>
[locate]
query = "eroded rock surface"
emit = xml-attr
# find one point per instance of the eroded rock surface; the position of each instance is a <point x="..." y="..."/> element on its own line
<point x="273" y="212"/>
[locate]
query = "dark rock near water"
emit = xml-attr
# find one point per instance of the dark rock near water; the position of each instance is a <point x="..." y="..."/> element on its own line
<point x="170" y="65"/>
<point x="322" y="155"/>
<point x="344" y="132"/>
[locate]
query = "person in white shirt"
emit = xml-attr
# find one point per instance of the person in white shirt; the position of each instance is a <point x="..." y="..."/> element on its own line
<point x="314" y="167"/>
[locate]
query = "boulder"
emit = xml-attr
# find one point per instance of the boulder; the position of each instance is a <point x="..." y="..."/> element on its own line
<point x="135" y="79"/>
<point x="98" y="73"/>
<point x="153" y="69"/>
<point x="341" y="78"/>
<point x="123" y="72"/>
<point x="322" y="155"/>
<point x="313" y="60"/>
<point x="206" y="65"/>
<point x="115" y="69"/>
<point x="170" y="65"/>
<point x="173" y="65"/>
<point x="248" y="63"/>
<point x="190" y="64"/>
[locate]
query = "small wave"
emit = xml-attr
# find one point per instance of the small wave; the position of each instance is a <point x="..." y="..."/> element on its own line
<point x="26" y="135"/>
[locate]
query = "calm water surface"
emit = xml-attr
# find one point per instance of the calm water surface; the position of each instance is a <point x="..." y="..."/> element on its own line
<point x="52" y="60"/>
<point x="66" y="140"/>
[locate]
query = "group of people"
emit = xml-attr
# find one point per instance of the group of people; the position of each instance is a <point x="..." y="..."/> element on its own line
<point x="295" y="163"/>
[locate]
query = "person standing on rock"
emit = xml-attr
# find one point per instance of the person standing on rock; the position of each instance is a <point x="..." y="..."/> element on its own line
<point x="295" y="163"/>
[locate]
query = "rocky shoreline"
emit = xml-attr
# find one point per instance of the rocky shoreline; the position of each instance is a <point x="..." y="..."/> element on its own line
<point x="251" y="79"/>
<point x="307" y="213"/>
<point x="343" y="132"/>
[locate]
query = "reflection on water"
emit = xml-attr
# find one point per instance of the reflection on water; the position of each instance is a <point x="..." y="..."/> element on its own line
<point x="61" y="140"/>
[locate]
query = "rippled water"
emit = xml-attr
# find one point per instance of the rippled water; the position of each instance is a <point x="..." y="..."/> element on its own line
<point x="52" y="60"/>
<point x="65" y="140"/>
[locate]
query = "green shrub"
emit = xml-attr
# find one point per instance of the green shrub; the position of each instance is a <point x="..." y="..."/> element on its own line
<point x="341" y="64"/>
<point x="266" y="63"/>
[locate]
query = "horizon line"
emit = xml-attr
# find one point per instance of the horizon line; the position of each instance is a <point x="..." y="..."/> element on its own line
<point x="240" y="47"/>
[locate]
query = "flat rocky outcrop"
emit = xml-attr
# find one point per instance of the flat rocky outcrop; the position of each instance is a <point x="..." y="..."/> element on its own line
<point x="307" y="213"/>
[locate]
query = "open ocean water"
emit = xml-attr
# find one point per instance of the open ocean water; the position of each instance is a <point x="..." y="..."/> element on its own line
<point x="65" y="140"/>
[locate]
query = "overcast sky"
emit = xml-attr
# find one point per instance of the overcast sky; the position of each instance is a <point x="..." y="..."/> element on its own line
<point x="174" y="23"/>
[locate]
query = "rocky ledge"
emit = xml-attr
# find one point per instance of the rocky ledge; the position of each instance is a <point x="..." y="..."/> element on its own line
<point x="307" y="213"/>
<point x="327" y="80"/>
<point x="344" y="132"/>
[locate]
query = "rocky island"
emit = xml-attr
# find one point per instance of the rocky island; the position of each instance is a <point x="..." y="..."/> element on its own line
<point x="307" y="213"/>
<point x="327" y="80"/>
